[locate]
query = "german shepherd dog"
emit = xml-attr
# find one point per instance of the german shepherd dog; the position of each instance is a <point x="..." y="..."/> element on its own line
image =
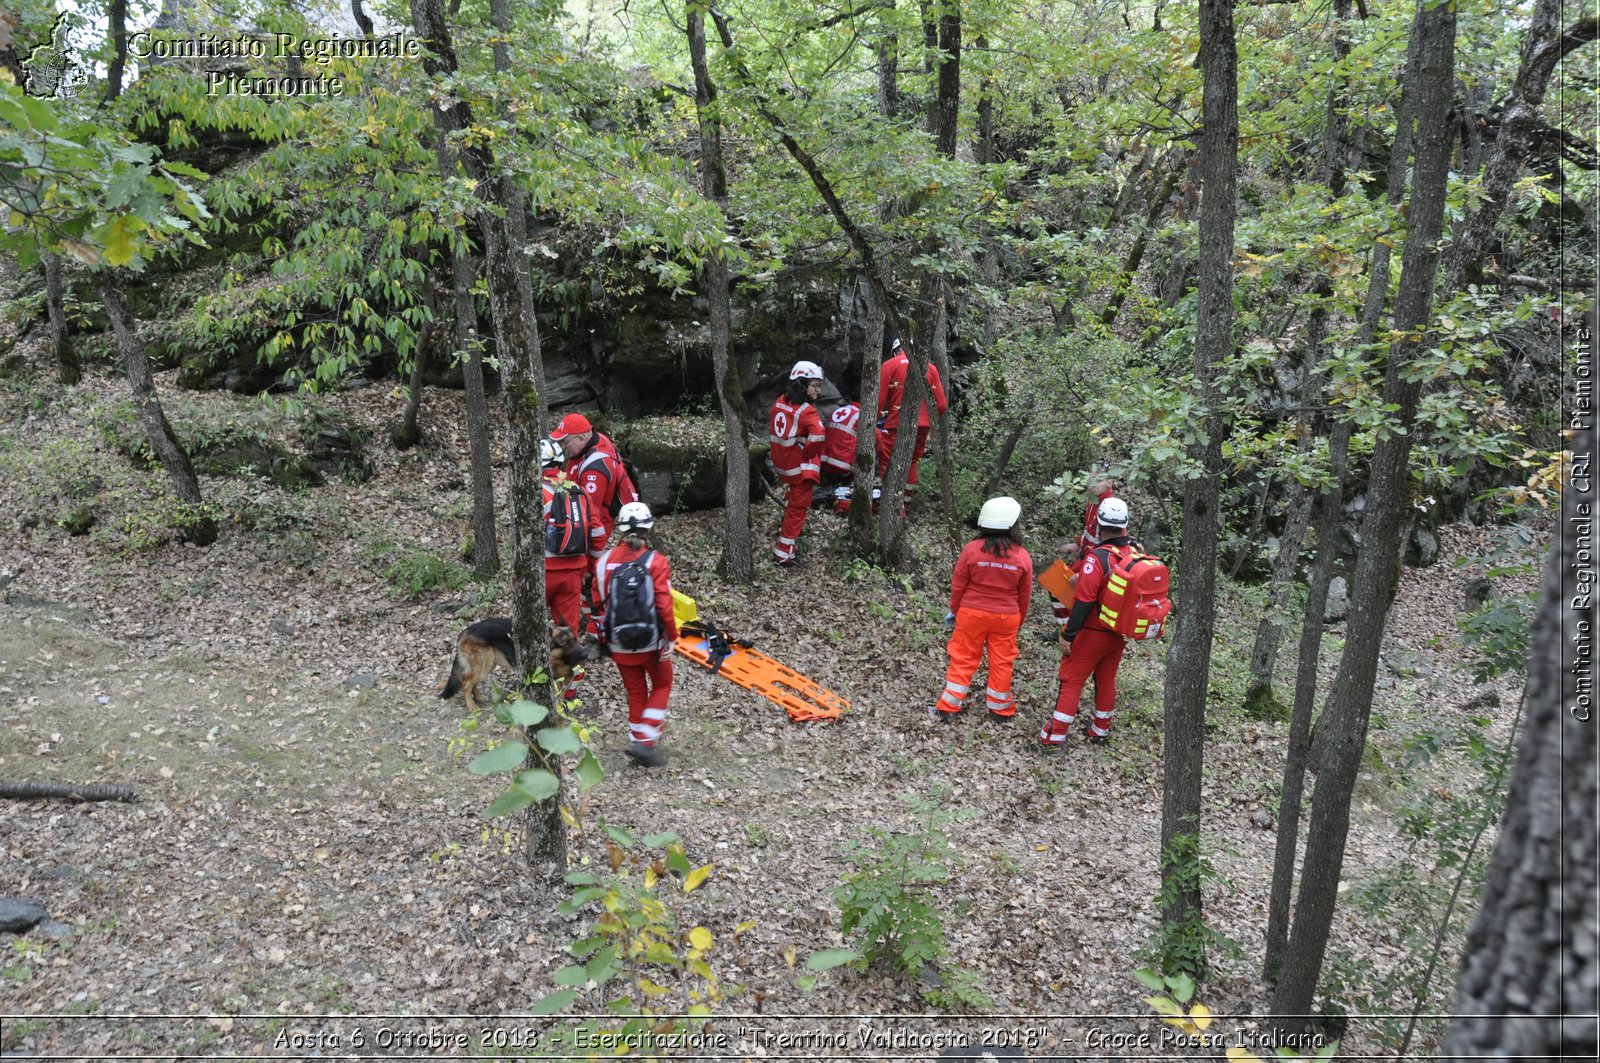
<point x="487" y="645"/>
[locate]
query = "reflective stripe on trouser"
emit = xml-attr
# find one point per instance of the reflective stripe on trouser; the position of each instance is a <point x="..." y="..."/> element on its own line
<point x="1096" y="653"/>
<point x="977" y="630"/>
<point x="649" y="685"/>
<point x="796" y="503"/>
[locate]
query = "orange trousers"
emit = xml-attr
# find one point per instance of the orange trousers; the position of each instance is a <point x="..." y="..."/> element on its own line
<point x="977" y="630"/>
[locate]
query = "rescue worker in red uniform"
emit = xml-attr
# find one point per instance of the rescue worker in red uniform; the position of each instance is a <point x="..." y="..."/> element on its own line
<point x="796" y="438"/>
<point x="564" y="573"/>
<point x="1088" y="645"/>
<point x="989" y="594"/>
<point x="839" y="455"/>
<point x="891" y="394"/>
<point x="1087" y="540"/>
<point x="594" y="465"/>
<point x="646" y="671"/>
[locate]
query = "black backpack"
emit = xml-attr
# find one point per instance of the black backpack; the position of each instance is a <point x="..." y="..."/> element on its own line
<point x="566" y="533"/>
<point x="631" y="623"/>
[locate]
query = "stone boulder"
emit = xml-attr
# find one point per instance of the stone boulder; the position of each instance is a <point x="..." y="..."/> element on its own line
<point x="677" y="463"/>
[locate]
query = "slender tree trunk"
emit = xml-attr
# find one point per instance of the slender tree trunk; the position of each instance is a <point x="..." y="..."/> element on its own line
<point x="195" y="524"/>
<point x="866" y="460"/>
<point x="363" y="20"/>
<point x="737" y="563"/>
<point x="1130" y="263"/>
<point x="522" y="371"/>
<point x="1528" y="975"/>
<point x="406" y="434"/>
<point x="117" y="16"/>
<point x="1189" y="658"/>
<point x="1258" y="697"/>
<point x="69" y="370"/>
<point x="480" y="457"/>
<point x="1349" y="706"/>
<point x="1329" y="515"/>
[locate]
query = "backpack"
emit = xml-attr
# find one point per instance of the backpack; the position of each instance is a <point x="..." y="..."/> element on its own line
<point x="566" y="532"/>
<point x="631" y="623"/>
<point x="1133" y="601"/>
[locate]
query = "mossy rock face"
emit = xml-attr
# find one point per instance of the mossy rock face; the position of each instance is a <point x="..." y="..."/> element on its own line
<point x="338" y="448"/>
<point x="677" y="463"/>
<point x="253" y="456"/>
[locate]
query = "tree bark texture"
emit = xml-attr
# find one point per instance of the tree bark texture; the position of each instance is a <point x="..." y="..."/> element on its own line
<point x="1189" y="657"/>
<point x="517" y="344"/>
<point x="117" y="17"/>
<point x="195" y="525"/>
<point x="407" y="434"/>
<point x="1329" y="515"/>
<point x="737" y="563"/>
<point x="480" y="455"/>
<point x="866" y="460"/>
<point x="1529" y="975"/>
<point x="1542" y="47"/>
<point x="69" y="370"/>
<point x="1343" y="727"/>
<point x="34" y="791"/>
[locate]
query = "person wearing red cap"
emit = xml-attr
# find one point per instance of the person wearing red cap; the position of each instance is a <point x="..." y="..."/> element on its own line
<point x="594" y="464"/>
<point x="891" y="394"/>
<point x="797" y="439"/>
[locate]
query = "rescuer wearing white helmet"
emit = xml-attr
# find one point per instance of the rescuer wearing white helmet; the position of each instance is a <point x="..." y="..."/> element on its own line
<point x="797" y="438"/>
<point x="989" y="593"/>
<point x="1089" y="646"/>
<point x="573" y="538"/>
<point x="633" y="595"/>
<point x="1088" y="539"/>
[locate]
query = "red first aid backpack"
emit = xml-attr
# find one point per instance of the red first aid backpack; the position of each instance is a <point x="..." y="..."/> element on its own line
<point x="1133" y="601"/>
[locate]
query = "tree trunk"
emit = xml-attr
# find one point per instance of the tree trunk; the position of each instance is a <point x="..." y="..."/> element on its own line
<point x="866" y="460"/>
<point x="1349" y="705"/>
<point x="363" y="20"/>
<point x="1543" y="46"/>
<point x="517" y="344"/>
<point x="1259" y="698"/>
<point x="406" y="434"/>
<point x="1330" y="514"/>
<point x="193" y="522"/>
<point x="1528" y="975"/>
<point x="117" y="17"/>
<point x="737" y="564"/>
<point x="1189" y="658"/>
<point x="69" y="370"/>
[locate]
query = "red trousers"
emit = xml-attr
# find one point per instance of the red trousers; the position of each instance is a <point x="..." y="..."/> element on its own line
<point x="563" y="595"/>
<point x="796" y="505"/>
<point x="977" y="630"/>
<point x="1096" y="653"/>
<point x="648" y="680"/>
<point x="886" y="448"/>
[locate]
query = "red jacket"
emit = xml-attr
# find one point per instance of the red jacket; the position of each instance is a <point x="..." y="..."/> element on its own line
<point x="796" y="441"/>
<point x="839" y="448"/>
<point x="598" y="469"/>
<point x="891" y="393"/>
<point x="1090" y="536"/>
<point x="993" y="584"/>
<point x="660" y="576"/>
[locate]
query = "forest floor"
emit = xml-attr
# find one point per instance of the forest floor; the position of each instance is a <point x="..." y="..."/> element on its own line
<point x="307" y="873"/>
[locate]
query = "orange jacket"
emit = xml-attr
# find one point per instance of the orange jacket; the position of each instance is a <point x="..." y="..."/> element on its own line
<point x="993" y="584"/>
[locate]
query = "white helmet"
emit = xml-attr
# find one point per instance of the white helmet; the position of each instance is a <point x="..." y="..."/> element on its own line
<point x="635" y="516"/>
<point x="550" y="452"/>
<point x="806" y="371"/>
<point x="1113" y="513"/>
<point x="999" y="514"/>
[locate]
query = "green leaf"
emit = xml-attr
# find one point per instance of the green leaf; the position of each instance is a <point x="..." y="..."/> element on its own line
<point x="559" y="740"/>
<point x="554" y="1002"/>
<point x="1150" y="980"/>
<point x="828" y="959"/>
<point x="513" y="800"/>
<point x="119" y="244"/>
<point x="660" y="841"/>
<point x="537" y="783"/>
<point x="1182" y="987"/>
<point x="507" y="756"/>
<point x="620" y="836"/>
<point x="571" y="976"/>
<point x="588" y="771"/>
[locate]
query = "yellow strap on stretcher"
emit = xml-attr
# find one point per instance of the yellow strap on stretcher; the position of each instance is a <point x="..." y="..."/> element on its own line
<point x="802" y="699"/>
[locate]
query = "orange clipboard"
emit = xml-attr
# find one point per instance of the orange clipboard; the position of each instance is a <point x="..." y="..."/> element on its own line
<point x="1060" y="581"/>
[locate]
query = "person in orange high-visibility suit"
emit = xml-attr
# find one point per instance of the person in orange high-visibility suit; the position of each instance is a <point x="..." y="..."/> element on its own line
<point x="891" y="395"/>
<point x="1088" y="645"/>
<point x="797" y="438"/>
<point x="989" y="594"/>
